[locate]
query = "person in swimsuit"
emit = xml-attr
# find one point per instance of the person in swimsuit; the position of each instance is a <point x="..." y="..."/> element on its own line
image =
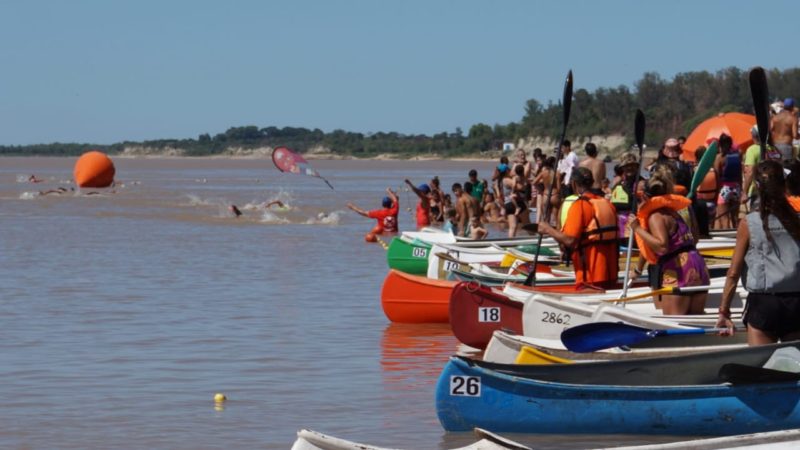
<point x="543" y="181"/>
<point x="728" y="166"/>
<point x="668" y="243"/>
<point x="437" y="198"/>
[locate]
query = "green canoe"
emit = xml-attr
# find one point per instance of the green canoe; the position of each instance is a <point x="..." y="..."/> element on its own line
<point x="408" y="257"/>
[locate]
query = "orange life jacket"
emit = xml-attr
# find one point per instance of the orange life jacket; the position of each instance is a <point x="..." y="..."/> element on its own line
<point x="673" y="202"/>
<point x="795" y="202"/>
<point x="708" y="188"/>
<point x="603" y="227"/>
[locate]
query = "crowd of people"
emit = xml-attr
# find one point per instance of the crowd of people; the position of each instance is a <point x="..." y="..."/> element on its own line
<point x="753" y="191"/>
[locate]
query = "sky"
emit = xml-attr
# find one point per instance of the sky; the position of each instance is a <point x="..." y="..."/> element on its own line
<point x="108" y="71"/>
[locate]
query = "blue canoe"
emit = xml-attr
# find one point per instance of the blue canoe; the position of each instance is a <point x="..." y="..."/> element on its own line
<point x="716" y="393"/>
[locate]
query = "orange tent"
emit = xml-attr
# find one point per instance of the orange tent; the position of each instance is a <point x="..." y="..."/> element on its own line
<point x="94" y="169"/>
<point x="735" y="125"/>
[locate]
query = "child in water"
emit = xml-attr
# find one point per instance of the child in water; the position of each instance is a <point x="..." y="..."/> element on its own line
<point x="476" y="229"/>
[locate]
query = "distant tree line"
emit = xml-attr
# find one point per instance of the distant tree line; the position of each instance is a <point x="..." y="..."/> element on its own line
<point x="672" y="107"/>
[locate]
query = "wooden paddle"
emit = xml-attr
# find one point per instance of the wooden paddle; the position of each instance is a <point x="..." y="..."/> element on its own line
<point x="567" y="102"/>
<point x="595" y="336"/>
<point x="638" y="129"/>
<point x="663" y="291"/>
<point x="760" y="93"/>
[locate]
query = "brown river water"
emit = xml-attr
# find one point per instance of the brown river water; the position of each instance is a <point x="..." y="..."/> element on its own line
<point x="123" y="312"/>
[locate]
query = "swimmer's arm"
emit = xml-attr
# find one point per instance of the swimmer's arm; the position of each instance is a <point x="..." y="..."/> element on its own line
<point x="357" y="209"/>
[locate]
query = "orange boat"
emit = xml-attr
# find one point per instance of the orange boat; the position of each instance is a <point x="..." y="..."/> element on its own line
<point x="410" y="298"/>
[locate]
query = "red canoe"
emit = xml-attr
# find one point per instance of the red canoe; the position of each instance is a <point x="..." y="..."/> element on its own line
<point x="477" y="311"/>
<point x="410" y="298"/>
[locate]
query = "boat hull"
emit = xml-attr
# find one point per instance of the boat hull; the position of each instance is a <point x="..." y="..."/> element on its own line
<point x="408" y="257"/>
<point x="469" y="395"/>
<point x="407" y="298"/>
<point x="476" y="312"/>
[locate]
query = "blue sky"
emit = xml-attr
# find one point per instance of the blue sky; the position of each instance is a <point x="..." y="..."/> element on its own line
<point x="108" y="71"/>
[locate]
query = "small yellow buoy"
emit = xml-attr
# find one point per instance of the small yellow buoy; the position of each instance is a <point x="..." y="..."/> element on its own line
<point x="219" y="397"/>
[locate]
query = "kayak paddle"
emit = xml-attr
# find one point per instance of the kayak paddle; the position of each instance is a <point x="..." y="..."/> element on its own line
<point x="760" y="93"/>
<point x="663" y="291"/>
<point x="639" y="133"/>
<point x="567" y="102"/>
<point x="703" y="166"/>
<point x="595" y="336"/>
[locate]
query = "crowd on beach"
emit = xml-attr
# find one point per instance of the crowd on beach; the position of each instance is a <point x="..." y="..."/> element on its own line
<point x="755" y="190"/>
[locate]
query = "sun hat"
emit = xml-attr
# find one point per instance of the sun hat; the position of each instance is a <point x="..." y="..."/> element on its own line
<point x="627" y="160"/>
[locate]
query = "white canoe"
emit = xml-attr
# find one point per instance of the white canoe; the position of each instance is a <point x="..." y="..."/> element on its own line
<point x="547" y="317"/>
<point x="770" y="440"/>
<point x="312" y="440"/>
<point x="504" y="348"/>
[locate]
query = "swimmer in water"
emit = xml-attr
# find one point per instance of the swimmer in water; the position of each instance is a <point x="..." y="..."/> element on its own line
<point x="275" y="202"/>
<point x="58" y="191"/>
<point x="33" y="179"/>
<point x="235" y="210"/>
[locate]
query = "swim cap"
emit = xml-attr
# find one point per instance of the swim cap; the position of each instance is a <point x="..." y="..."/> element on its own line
<point x="502" y="167"/>
<point x="424" y="188"/>
<point x="788" y="103"/>
<point x="387" y="202"/>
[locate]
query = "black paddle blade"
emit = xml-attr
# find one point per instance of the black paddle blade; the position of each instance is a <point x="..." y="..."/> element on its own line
<point x="567" y="102"/>
<point x="760" y="93"/>
<point x="639" y="131"/>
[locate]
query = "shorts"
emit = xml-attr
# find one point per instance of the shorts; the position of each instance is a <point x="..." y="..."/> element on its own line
<point x="775" y="314"/>
<point x="730" y="194"/>
<point x="511" y="208"/>
<point x="787" y="152"/>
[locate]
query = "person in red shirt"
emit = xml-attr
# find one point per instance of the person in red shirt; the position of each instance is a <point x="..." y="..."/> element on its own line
<point x="590" y="231"/>
<point x="386" y="217"/>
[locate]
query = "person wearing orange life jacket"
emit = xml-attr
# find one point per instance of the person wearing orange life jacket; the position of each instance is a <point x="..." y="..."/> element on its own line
<point x="793" y="185"/>
<point x="590" y="231"/>
<point x="667" y="243"/>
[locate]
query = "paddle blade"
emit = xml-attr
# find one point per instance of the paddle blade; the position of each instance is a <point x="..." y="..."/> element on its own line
<point x="595" y="336"/>
<point x="703" y="166"/>
<point x="639" y="131"/>
<point x="287" y="160"/>
<point x="760" y="93"/>
<point x="567" y="101"/>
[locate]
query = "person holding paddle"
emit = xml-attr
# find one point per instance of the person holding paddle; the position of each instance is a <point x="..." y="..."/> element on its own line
<point x="591" y="233"/>
<point x="667" y="242"/>
<point x="767" y="256"/>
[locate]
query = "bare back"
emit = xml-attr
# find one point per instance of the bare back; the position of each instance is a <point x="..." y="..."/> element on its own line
<point x="598" y="169"/>
<point x="784" y="127"/>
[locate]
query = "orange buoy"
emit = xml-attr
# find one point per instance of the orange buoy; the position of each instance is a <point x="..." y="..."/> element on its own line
<point x="94" y="169"/>
<point x="370" y="237"/>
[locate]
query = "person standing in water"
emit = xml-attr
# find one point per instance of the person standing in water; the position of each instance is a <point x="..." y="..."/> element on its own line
<point x="386" y="216"/>
<point x="423" y="214"/>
